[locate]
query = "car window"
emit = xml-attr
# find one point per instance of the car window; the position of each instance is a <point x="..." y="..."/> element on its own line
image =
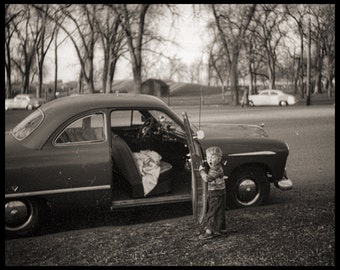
<point x="274" y="93"/>
<point x="28" y="125"/>
<point x="126" y="118"/>
<point x="87" y="129"/>
<point x="264" y="93"/>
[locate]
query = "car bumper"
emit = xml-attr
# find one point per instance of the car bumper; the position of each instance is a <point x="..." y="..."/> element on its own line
<point x="284" y="184"/>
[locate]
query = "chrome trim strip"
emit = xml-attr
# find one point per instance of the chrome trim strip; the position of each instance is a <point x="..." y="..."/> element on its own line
<point x="258" y="153"/>
<point x="55" y="191"/>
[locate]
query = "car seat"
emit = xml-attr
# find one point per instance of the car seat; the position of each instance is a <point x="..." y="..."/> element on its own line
<point x="125" y="164"/>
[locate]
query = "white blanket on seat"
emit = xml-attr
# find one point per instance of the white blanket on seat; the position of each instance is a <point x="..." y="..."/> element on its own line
<point x="148" y="164"/>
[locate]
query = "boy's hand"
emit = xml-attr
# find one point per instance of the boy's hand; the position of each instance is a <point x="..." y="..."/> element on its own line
<point x="205" y="166"/>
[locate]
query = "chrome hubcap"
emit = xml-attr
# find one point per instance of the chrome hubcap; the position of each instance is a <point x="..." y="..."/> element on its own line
<point x="247" y="192"/>
<point x="16" y="213"/>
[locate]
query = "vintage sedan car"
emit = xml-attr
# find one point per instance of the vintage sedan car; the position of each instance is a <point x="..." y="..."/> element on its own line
<point x="23" y="101"/>
<point x="125" y="150"/>
<point x="271" y="97"/>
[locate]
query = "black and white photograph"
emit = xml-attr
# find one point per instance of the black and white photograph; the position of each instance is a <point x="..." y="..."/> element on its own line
<point x="155" y="134"/>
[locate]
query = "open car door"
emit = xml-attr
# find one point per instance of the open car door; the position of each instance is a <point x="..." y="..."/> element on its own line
<point x="198" y="186"/>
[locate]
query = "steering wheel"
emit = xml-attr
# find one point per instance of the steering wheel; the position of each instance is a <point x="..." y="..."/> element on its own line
<point x="145" y="128"/>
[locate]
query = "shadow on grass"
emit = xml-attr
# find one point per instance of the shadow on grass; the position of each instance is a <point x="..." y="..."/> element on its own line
<point x="80" y="219"/>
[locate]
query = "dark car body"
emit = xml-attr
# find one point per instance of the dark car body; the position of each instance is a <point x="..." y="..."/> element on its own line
<point x="79" y="151"/>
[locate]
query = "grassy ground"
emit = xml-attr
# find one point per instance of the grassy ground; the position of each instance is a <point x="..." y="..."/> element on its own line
<point x="290" y="234"/>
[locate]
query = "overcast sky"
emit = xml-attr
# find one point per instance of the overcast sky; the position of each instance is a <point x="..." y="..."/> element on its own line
<point x="188" y="33"/>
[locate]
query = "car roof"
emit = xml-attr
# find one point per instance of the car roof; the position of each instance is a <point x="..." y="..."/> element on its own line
<point x="57" y="111"/>
<point x="79" y="103"/>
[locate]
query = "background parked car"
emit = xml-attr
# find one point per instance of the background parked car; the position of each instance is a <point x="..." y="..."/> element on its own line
<point x="272" y="97"/>
<point x="24" y="101"/>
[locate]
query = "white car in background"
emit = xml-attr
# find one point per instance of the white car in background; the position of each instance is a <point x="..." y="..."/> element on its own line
<point x="272" y="97"/>
<point x="23" y="101"/>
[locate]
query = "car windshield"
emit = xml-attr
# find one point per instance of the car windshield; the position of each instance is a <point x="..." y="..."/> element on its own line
<point x="28" y="125"/>
<point x="167" y="122"/>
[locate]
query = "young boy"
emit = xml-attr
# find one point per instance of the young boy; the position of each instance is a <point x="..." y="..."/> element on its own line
<point x="215" y="216"/>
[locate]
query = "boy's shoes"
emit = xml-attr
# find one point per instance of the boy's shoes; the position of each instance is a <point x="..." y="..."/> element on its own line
<point x="206" y="236"/>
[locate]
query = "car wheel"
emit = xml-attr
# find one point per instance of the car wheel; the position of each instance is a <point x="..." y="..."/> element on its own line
<point x="247" y="187"/>
<point x="251" y="103"/>
<point x="283" y="103"/>
<point x="30" y="107"/>
<point x="24" y="216"/>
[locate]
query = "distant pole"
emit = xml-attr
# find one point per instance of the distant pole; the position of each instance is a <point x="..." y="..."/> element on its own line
<point x="200" y="109"/>
<point x="308" y="66"/>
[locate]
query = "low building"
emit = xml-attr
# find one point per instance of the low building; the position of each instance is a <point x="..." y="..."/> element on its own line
<point x="155" y="87"/>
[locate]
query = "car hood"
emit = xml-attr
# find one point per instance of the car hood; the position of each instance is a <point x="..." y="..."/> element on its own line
<point x="233" y="130"/>
<point x="240" y="146"/>
<point x="240" y="138"/>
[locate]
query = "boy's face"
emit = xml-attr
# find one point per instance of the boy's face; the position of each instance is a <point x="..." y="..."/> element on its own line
<point x="213" y="159"/>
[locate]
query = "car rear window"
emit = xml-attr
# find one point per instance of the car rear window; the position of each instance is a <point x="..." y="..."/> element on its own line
<point x="28" y="125"/>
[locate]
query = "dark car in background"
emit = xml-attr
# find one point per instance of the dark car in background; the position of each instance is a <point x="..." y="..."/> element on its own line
<point x="124" y="150"/>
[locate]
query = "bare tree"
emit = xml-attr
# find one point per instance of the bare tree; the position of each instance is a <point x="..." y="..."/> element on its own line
<point x="268" y="19"/>
<point x="194" y="71"/>
<point x="48" y="34"/>
<point x="323" y="35"/>
<point x="328" y="45"/>
<point x="174" y="66"/>
<point x="111" y="37"/>
<point x="217" y="63"/>
<point x="28" y="31"/>
<point x="232" y="22"/>
<point x="80" y="28"/>
<point x="132" y="19"/>
<point x="136" y="21"/>
<point x="10" y="25"/>
<point x="297" y="12"/>
<point x="293" y="68"/>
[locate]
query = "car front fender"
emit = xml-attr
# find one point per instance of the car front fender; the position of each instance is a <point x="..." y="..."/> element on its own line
<point x="270" y="154"/>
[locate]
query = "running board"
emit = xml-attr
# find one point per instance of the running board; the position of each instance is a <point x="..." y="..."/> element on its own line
<point x="150" y="201"/>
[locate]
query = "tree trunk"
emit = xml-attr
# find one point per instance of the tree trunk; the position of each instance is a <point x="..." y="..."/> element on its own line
<point x="107" y="56"/>
<point x="26" y="80"/>
<point x="302" y="66"/>
<point x="234" y="82"/>
<point x="330" y="86"/>
<point x="137" y="84"/>
<point x="8" y="71"/>
<point x="55" y="65"/>
<point x="40" y="76"/>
